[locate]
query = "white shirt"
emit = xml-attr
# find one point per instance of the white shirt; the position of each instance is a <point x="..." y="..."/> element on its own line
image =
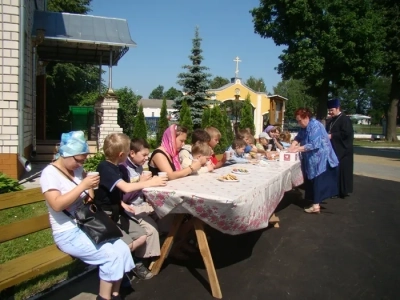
<point x="52" y="179"/>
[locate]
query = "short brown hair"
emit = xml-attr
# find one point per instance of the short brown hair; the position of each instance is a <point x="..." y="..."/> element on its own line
<point x="180" y="129"/>
<point x="138" y="144"/>
<point x="114" y="144"/>
<point x="238" y="143"/>
<point x="213" y="132"/>
<point x="303" y="112"/>
<point x="242" y="133"/>
<point x="200" y="135"/>
<point x="201" y="148"/>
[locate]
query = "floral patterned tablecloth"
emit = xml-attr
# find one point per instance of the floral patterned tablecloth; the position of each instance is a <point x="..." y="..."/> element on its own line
<point x="230" y="207"/>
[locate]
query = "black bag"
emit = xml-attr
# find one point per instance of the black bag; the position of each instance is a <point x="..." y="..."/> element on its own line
<point x="93" y="221"/>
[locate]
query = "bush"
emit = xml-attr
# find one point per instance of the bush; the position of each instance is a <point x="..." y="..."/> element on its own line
<point x="8" y="184"/>
<point x="153" y="143"/>
<point x="93" y="161"/>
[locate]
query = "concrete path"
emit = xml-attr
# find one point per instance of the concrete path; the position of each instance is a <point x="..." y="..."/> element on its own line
<point x="350" y="251"/>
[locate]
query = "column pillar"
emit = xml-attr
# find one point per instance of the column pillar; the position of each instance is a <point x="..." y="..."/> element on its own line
<point x="106" y="118"/>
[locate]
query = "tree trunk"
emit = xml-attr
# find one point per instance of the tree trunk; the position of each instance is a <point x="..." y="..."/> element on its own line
<point x="391" y="134"/>
<point x="323" y="100"/>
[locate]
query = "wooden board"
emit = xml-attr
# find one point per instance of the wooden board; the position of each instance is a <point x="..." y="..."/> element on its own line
<point x="21" y="228"/>
<point x="31" y="265"/>
<point x="19" y="198"/>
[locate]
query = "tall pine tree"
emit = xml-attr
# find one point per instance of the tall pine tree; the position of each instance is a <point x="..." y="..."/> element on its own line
<point x="195" y="83"/>
<point x="218" y="121"/>
<point x="140" y="128"/>
<point x="185" y="120"/>
<point x="205" y="119"/>
<point x="162" y="121"/>
<point x="247" y="117"/>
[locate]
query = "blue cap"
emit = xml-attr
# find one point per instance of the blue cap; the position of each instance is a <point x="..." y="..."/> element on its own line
<point x="333" y="103"/>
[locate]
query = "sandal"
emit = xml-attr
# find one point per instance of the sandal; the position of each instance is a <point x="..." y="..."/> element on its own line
<point x="312" y="210"/>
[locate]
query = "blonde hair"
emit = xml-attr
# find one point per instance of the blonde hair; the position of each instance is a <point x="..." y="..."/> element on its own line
<point x="202" y="149"/>
<point x="285" y="136"/>
<point x="213" y="132"/>
<point x="114" y="144"/>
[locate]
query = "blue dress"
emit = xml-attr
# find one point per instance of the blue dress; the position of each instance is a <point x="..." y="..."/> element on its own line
<point x="319" y="162"/>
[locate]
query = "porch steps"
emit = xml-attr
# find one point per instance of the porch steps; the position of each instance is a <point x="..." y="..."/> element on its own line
<point x="45" y="150"/>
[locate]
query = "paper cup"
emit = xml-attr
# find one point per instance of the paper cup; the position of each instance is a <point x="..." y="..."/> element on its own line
<point x="259" y="156"/>
<point x="269" y="147"/>
<point x="93" y="174"/>
<point x="228" y="154"/>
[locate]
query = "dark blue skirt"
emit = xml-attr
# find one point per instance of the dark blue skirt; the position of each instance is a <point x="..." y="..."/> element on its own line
<point x="323" y="186"/>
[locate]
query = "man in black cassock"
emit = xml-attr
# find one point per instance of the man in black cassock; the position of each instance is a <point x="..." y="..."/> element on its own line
<point x="341" y="134"/>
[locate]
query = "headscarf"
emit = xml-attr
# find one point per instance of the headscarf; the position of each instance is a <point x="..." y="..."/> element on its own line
<point x="72" y="143"/>
<point x="168" y="142"/>
<point x="269" y="128"/>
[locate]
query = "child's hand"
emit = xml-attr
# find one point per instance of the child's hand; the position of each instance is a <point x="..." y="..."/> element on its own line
<point x="196" y="165"/>
<point x="158" y="181"/>
<point x="127" y="207"/>
<point x="203" y="160"/>
<point x="210" y="166"/>
<point x="145" y="177"/>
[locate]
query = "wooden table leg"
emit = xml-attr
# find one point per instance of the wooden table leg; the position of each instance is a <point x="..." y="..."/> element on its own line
<point x="208" y="261"/>
<point x="155" y="267"/>
<point x="274" y="220"/>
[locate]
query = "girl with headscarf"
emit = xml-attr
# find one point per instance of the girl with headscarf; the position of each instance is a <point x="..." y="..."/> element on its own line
<point x="113" y="258"/>
<point x="166" y="157"/>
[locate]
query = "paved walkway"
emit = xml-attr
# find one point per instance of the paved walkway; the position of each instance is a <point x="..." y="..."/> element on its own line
<point x="350" y="251"/>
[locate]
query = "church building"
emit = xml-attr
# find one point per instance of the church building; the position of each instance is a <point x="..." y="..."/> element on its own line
<point x="267" y="109"/>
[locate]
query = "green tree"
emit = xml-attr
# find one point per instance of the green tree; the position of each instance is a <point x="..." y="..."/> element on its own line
<point x="205" y="119"/>
<point x="296" y="92"/>
<point x="67" y="84"/>
<point x="257" y="85"/>
<point x="128" y="108"/>
<point x="218" y="81"/>
<point x="157" y="93"/>
<point x="328" y="43"/>
<point x="390" y="10"/>
<point x="218" y="121"/>
<point x="195" y="83"/>
<point x="185" y="120"/>
<point x="162" y="122"/>
<point x="75" y="6"/>
<point x="140" y="128"/>
<point x="172" y="93"/>
<point x="247" y="117"/>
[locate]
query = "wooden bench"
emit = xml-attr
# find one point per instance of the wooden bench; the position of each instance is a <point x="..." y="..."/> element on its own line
<point x="32" y="264"/>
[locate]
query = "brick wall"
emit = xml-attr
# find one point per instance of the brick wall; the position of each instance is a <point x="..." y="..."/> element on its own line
<point x="9" y="82"/>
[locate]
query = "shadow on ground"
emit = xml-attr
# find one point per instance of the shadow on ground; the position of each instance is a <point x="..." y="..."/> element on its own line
<point x="349" y="251"/>
<point x="380" y="152"/>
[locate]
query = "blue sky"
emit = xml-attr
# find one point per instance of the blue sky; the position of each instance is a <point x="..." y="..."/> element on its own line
<point x="163" y="31"/>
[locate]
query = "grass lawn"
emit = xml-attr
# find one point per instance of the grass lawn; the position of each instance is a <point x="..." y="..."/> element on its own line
<point x="372" y="144"/>
<point x="29" y="243"/>
<point x="367" y="129"/>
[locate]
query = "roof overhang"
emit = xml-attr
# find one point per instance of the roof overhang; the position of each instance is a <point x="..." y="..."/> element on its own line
<point x="277" y="96"/>
<point x="75" y="38"/>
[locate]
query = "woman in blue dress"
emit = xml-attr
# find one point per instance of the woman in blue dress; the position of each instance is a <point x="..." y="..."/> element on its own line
<point x="318" y="160"/>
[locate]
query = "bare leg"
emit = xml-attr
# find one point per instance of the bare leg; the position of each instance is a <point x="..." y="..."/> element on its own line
<point x="106" y="288"/>
<point x="137" y="243"/>
<point x="115" y="287"/>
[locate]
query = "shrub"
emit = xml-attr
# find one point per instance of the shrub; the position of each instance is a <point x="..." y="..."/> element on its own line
<point x="8" y="184"/>
<point x="93" y="161"/>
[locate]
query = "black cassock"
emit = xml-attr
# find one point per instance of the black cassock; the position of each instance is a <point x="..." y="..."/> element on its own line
<point x="342" y="135"/>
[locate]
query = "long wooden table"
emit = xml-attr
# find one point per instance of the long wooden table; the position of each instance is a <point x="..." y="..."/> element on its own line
<point x="230" y="207"/>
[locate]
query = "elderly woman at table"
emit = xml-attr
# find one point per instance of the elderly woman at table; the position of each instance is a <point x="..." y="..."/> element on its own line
<point x="166" y="157"/>
<point x="319" y="161"/>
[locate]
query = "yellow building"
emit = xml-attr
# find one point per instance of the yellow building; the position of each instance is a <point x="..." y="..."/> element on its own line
<point x="267" y="109"/>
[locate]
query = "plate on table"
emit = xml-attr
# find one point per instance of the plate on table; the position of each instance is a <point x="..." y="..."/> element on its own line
<point x="240" y="171"/>
<point x="228" y="178"/>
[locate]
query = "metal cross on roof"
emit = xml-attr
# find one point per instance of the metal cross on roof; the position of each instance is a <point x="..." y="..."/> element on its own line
<point x="237" y="60"/>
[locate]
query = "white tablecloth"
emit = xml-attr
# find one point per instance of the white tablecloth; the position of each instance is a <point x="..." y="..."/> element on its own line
<point x="230" y="207"/>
